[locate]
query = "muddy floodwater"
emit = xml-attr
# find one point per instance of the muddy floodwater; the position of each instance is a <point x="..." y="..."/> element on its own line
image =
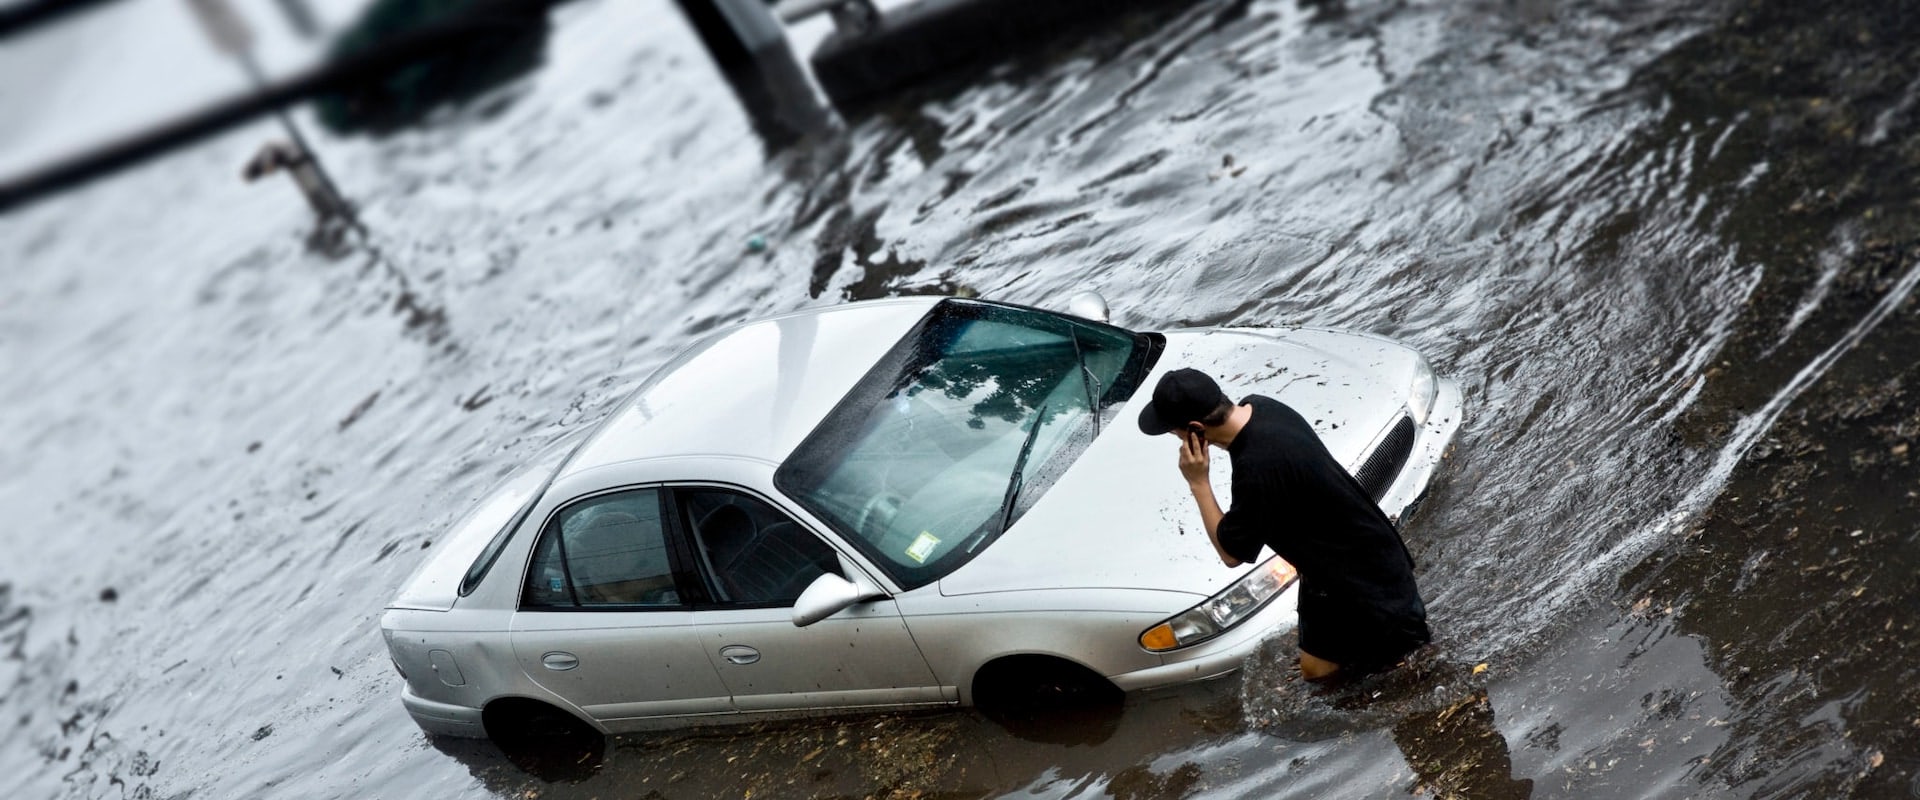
<point x="1668" y="249"/>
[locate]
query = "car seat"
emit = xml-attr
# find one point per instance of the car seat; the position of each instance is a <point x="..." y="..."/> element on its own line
<point x="605" y="552"/>
<point x="761" y="565"/>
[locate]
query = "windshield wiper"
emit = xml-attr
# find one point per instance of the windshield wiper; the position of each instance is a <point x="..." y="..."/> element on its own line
<point x="1019" y="469"/>
<point x="1087" y="381"/>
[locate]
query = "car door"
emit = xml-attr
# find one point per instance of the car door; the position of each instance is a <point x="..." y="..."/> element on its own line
<point x="756" y="560"/>
<point x="605" y="617"/>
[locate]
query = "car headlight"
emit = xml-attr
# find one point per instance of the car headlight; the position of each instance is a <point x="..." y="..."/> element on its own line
<point x="1424" y="389"/>
<point x="1230" y="607"/>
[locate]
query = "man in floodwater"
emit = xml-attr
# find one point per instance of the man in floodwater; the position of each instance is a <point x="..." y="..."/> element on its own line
<point x="1359" y="608"/>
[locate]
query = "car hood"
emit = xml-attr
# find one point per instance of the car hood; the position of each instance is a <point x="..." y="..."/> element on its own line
<point x="1121" y="517"/>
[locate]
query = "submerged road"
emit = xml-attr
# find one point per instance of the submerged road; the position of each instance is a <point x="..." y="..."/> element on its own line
<point x="1668" y="249"/>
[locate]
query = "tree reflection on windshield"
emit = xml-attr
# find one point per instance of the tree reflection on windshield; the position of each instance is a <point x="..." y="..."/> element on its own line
<point x="1015" y="385"/>
<point x="913" y="466"/>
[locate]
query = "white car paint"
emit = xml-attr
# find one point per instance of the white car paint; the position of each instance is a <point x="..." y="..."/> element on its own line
<point x="1112" y="548"/>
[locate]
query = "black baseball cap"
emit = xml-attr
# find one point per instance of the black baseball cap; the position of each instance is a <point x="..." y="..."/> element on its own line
<point x="1182" y="396"/>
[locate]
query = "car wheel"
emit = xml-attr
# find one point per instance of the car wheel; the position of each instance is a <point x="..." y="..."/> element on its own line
<point x="1028" y="685"/>
<point x="1045" y="699"/>
<point x="547" y="742"/>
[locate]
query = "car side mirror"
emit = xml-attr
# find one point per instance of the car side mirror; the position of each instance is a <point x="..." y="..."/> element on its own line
<point x="828" y="595"/>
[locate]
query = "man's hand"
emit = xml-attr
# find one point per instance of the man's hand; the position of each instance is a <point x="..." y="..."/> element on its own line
<point x="1194" y="464"/>
<point x="1194" y="460"/>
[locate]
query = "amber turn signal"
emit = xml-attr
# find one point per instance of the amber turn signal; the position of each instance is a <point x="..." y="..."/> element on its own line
<point x="1233" y="605"/>
<point x="1159" y="638"/>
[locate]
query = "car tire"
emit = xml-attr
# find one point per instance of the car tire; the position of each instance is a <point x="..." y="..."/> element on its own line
<point x="1046" y="699"/>
<point x="547" y="742"/>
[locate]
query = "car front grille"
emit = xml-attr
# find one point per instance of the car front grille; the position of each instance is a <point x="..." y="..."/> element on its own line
<point x="1384" y="464"/>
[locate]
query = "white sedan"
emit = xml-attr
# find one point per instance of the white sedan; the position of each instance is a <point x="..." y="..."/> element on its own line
<point x="915" y="502"/>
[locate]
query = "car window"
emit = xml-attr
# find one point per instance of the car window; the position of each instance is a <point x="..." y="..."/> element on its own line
<point x="605" y="551"/>
<point x="754" y="554"/>
<point x="959" y="430"/>
<point x="522" y="490"/>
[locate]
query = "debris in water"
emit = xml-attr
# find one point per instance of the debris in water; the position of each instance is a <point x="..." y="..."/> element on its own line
<point x="359" y="410"/>
<point x="1227" y="169"/>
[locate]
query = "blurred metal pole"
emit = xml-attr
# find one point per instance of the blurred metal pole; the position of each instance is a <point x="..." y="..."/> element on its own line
<point x="372" y="64"/>
<point x="853" y="16"/>
<point x="752" y="51"/>
<point x="17" y="17"/>
<point x="300" y="18"/>
<point x="232" y="36"/>
<point x="753" y="71"/>
<point x="334" y="199"/>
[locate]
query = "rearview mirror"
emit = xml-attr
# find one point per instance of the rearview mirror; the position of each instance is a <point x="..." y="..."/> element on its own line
<point x="828" y="595"/>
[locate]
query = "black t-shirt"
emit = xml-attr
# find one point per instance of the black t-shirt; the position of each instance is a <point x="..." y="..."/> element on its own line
<point x="1358" y="601"/>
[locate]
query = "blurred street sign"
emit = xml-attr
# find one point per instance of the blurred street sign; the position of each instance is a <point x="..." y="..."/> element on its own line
<point x="224" y="26"/>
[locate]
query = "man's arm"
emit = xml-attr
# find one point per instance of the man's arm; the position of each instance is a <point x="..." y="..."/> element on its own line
<point x="1210" y="514"/>
<point x="1195" y="464"/>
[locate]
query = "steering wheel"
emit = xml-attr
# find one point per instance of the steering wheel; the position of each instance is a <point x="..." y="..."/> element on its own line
<point x="879" y="510"/>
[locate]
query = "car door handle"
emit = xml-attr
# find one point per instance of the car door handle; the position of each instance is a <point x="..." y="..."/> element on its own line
<point x="739" y="654"/>
<point x="560" y="662"/>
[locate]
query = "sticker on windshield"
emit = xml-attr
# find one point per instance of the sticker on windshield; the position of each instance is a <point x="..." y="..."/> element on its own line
<point x="922" y="547"/>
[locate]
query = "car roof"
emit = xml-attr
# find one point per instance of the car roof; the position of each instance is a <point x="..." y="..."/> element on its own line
<point x="754" y="390"/>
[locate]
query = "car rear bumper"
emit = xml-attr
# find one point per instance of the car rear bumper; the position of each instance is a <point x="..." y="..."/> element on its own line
<point x="443" y="719"/>
<point x="1220" y="656"/>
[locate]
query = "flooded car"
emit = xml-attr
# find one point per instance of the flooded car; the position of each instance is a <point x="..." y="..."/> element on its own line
<point x="916" y="502"/>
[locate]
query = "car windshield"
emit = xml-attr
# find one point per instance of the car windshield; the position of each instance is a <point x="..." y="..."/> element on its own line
<point x="959" y="429"/>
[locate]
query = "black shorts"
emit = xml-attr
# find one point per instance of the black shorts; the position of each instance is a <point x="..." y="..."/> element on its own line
<point x="1360" y="643"/>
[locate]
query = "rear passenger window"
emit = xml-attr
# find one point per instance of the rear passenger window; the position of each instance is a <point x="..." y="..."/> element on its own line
<point x="754" y="553"/>
<point x="605" y="551"/>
